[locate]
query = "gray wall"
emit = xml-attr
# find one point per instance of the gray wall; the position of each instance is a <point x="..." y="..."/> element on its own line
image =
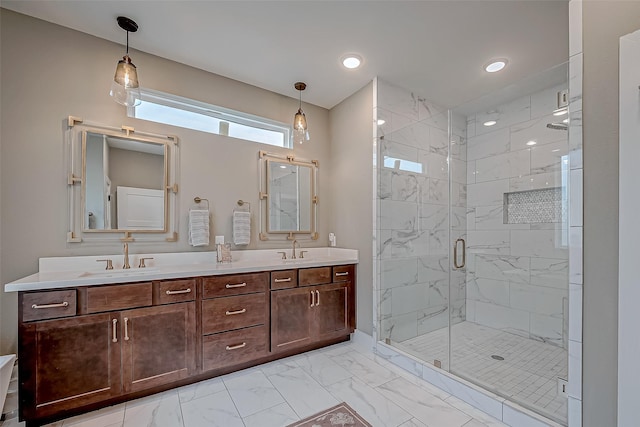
<point x="54" y="72"/>
<point x="604" y="22"/>
<point x="352" y="190"/>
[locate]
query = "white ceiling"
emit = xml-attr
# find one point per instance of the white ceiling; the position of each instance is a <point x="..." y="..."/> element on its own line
<point x="435" y="48"/>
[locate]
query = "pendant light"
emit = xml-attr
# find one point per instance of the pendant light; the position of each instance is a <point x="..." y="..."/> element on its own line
<point x="125" y="88"/>
<point x="300" y="132"/>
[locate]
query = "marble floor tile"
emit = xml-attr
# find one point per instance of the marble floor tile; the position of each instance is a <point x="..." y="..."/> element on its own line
<point x="277" y="416"/>
<point x="216" y="410"/>
<point x="424" y="406"/>
<point x="278" y="366"/>
<point x="413" y="423"/>
<point x="364" y="368"/>
<point x="302" y="392"/>
<point x="322" y="368"/>
<point x="101" y="418"/>
<point x="198" y="390"/>
<point x="158" y="410"/>
<point x="252" y="392"/>
<point x="373" y="406"/>
<point x="478" y="415"/>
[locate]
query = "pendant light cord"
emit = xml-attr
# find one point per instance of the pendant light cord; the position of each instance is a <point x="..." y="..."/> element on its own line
<point x="127" y="43"/>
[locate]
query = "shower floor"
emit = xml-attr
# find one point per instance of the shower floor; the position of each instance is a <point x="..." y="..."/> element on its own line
<point x="528" y="374"/>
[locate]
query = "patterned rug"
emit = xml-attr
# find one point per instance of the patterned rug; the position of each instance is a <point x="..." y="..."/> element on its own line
<point x="341" y="415"/>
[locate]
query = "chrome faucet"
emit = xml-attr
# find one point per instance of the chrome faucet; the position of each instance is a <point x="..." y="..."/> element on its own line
<point x="293" y="251"/>
<point x="126" y="256"/>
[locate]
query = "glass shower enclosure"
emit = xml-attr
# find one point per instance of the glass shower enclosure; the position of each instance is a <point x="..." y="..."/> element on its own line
<point x="472" y="236"/>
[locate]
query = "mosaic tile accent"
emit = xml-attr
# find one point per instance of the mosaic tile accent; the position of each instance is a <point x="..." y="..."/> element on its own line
<point x="546" y="205"/>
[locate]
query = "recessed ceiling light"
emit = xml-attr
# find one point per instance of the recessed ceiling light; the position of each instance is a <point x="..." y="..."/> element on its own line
<point x="560" y="112"/>
<point x="530" y="143"/>
<point x="351" y="61"/>
<point x="490" y="123"/>
<point x="381" y="122"/>
<point x="495" y="65"/>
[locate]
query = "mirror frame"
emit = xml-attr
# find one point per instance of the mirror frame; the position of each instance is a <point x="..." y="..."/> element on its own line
<point x="265" y="159"/>
<point x="75" y="146"/>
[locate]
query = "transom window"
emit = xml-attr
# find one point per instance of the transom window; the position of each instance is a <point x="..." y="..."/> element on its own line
<point x="191" y="114"/>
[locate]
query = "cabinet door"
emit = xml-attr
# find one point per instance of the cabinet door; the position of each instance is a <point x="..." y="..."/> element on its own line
<point x="158" y="345"/>
<point x="291" y="318"/>
<point x="331" y="311"/>
<point x="69" y="363"/>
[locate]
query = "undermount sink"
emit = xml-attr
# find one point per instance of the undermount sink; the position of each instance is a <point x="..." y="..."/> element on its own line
<point x="120" y="273"/>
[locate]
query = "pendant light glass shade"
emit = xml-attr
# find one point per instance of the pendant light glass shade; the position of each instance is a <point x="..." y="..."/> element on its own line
<point x="300" y="132"/>
<point x="125" y="88"/>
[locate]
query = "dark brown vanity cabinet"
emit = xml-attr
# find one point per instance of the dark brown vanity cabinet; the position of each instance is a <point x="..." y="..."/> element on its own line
<point x="83" y="358"/>
<point x="235" y="315"/>
<point x="91" y="346"/>
<point x="319" y="308"/>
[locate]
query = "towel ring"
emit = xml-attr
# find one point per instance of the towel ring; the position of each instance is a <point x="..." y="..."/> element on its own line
<point x="198" y="200"/>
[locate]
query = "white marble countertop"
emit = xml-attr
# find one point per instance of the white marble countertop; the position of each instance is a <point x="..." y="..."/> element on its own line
<point x="65" y="272"/>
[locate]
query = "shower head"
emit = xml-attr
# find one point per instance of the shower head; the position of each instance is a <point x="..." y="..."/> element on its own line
<point x="557" y="126"/>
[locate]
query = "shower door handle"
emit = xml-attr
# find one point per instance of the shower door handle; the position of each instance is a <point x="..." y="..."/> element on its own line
<point x="455" y="253"/>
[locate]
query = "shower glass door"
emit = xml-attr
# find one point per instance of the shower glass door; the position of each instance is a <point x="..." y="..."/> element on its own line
<point x="509" y="243"/>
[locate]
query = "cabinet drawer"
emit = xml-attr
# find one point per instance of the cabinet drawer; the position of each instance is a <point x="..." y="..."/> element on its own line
<point x="118" y="297"/>
<point x="284" y="279"/>
<point x="48" y="305"/>
<point x="314" y="276"/>
<point x="343" y="273"/>
<point x="237" y="284"/>
<point x="230" y="348"/>
<point x="176" y="291"/>
<point x="223" y="314"/>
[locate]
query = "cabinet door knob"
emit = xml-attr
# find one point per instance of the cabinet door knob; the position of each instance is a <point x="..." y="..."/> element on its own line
<point x="288" y="279"/>
<point x="346" y="273"/>
<point x="313" y="299"/>
<point x="317" y="298"/>
<point x="230" y="313"/>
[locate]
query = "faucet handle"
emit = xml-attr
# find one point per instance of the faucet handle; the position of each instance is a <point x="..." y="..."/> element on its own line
<point x="109" y="263"/>
<point x="302" y="253"/>
<point x="142" y="265"/>
<point x="284" y="254"/>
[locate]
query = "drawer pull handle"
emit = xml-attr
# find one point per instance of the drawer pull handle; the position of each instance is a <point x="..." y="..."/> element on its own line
<point x="313" y="299"/>
<point x="239" y="285"/>
<point x="346" y="273"/>
<point x="60" y="304"/>
<point x="288" y="279"/>
<point x="229" y="313"/>
<point x="184" y="291"/>
<point x="115" y="331"/>
<point x="317" y="298"/>
<point x="235" y="347"/>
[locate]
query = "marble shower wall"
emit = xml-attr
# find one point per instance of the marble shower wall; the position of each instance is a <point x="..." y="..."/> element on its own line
<point x="518" y="274"/>
<point x="412" y="232"/>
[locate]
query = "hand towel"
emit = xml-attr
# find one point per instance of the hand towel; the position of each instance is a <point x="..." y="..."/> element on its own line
<point x="241" y="227"/>
<point x="199" y="227"/>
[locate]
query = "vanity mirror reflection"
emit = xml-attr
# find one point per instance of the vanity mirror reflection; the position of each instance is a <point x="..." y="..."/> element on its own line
<point x="288" y="196"/>
<point x="120" y="181"/>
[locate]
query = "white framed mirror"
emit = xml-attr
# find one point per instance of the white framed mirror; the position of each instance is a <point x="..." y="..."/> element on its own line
<point x="288" y="196"/>
<point x="120" y="181"/>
